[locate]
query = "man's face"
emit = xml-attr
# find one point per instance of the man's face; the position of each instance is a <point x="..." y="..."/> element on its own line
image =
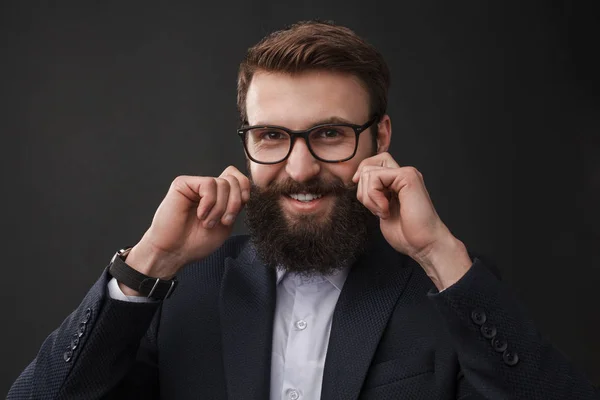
<point x="300" y="102"/>
<point x="322" y="234"/>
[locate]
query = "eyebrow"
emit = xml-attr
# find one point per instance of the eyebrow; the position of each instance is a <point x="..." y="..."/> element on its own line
<point x="330" y="120"/>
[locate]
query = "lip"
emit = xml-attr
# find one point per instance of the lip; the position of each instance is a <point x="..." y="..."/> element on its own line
<point x="306" y="207"/>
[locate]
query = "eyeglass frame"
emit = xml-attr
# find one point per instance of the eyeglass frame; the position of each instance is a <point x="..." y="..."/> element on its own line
<point x="358" y="129"/>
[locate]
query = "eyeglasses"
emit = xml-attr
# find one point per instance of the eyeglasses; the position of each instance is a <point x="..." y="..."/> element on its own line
<point x="332" y="143"/>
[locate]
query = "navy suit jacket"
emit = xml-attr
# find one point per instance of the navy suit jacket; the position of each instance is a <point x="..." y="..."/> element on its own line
<point x="393" y="336"/>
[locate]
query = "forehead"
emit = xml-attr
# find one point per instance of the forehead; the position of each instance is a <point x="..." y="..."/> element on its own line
<point x="299" y="101"/>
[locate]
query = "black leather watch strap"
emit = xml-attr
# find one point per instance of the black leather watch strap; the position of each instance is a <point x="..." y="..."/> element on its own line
<point x="153" y="288"/>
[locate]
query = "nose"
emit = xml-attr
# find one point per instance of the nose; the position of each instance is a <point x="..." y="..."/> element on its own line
<point x="301" y="166"/>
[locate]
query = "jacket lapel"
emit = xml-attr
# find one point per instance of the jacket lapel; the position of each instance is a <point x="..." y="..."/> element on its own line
<point x="247" y="305"/>
<point x="367" y="301"/>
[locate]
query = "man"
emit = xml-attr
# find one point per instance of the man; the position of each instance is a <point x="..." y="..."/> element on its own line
<point x="349" y="285"/>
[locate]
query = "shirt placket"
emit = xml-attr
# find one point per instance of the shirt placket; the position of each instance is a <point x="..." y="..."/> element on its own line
<point x="298" y="368"/>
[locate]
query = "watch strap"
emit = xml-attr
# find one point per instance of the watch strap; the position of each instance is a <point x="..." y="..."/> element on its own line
<point x="154" y="288"/>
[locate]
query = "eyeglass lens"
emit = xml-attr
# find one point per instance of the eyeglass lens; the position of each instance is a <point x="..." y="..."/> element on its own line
<point x="331" y="143"/>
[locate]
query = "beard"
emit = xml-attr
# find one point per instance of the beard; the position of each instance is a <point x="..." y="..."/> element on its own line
<point x="309" y="244"/>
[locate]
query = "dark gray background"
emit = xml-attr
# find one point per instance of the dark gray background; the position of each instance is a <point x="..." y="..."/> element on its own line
<point x="104" y="104"/>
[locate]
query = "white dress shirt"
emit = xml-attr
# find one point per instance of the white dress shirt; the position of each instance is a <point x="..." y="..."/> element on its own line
<point x="301" y="327"/>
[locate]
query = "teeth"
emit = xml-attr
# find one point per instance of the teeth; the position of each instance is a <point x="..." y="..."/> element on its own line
<point x="305" y="197"/>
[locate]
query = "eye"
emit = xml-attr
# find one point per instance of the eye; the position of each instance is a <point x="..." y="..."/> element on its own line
<point x="328" y="133"/>
<point x="273" y="135"/>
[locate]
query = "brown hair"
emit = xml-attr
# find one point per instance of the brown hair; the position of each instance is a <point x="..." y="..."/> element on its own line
<point x="317" y="45"/>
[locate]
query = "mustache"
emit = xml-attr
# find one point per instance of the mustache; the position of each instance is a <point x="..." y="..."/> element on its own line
<point x="318" y="186"/>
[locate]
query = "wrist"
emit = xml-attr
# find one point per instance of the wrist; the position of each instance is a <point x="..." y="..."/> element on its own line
<point x="445" y="262"/>
<point x="152" y="262"/>
<point x="136" y="281"/>
<point x="127" y="291"/>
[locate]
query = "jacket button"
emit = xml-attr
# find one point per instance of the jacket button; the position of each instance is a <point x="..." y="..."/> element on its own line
<point x="81" y="329"/>
<point x="488" y="331"/>
<point x="510" y="358"/>
<point x="478" y="316"/>
<point x="74" y="342"/>
<point x="88" y="315"/>
<point x="68" y="355"/>
<point x="499" y="344"/>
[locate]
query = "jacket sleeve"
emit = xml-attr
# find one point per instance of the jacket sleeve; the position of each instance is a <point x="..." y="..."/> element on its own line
<point x="501" y="353"/>
<point x="103" y="349"/>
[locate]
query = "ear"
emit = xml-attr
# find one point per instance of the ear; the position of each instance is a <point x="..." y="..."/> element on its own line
<point x="384" y="134"/>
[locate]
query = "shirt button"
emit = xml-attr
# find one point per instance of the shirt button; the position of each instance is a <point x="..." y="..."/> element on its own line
<point x="301" y="324"/>
<point x="293" y="394"/>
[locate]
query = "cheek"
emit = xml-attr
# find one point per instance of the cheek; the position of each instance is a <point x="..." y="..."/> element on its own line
<point x="344" y="171"/>
<point x="262" y="175"/>
<point x="366" y="145"/>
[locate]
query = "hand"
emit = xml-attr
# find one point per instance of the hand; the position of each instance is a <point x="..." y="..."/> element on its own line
<point x="408" y="219"/>
<point x="194" y="219"/>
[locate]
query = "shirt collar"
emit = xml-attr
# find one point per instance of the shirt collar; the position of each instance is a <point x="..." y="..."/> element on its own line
<point x="337" y="279"/>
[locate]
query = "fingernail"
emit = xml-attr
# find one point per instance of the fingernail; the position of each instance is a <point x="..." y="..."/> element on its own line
<point x="246" y="194"/>
<point x="211" y="224"/>
<point x="228" y="218"/>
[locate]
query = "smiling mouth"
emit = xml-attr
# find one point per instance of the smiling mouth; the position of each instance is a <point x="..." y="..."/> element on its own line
<point x="305" y="197"/>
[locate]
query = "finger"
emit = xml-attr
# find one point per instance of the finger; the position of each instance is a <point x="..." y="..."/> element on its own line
<point x="242" y="179"/>
<point x="364" y="199"/>
<point x="379" y="196"/>
<point x="189" y="186"/>
<point x="362" y="185"/>
<point x="369" y="168"/>
<point x="206" y="192"/>
<point x="234" y="202"/>
<point x="380" y="160"/>
<point x="374" y="194"/>
<point x="220" y="205"/>
<point x="360" y="193"/>
<point x="388" y="183"/>
<point x="395" y="178"/>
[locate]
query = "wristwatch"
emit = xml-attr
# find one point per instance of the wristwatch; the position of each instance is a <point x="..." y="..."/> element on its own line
<point x="154" y="288"/>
